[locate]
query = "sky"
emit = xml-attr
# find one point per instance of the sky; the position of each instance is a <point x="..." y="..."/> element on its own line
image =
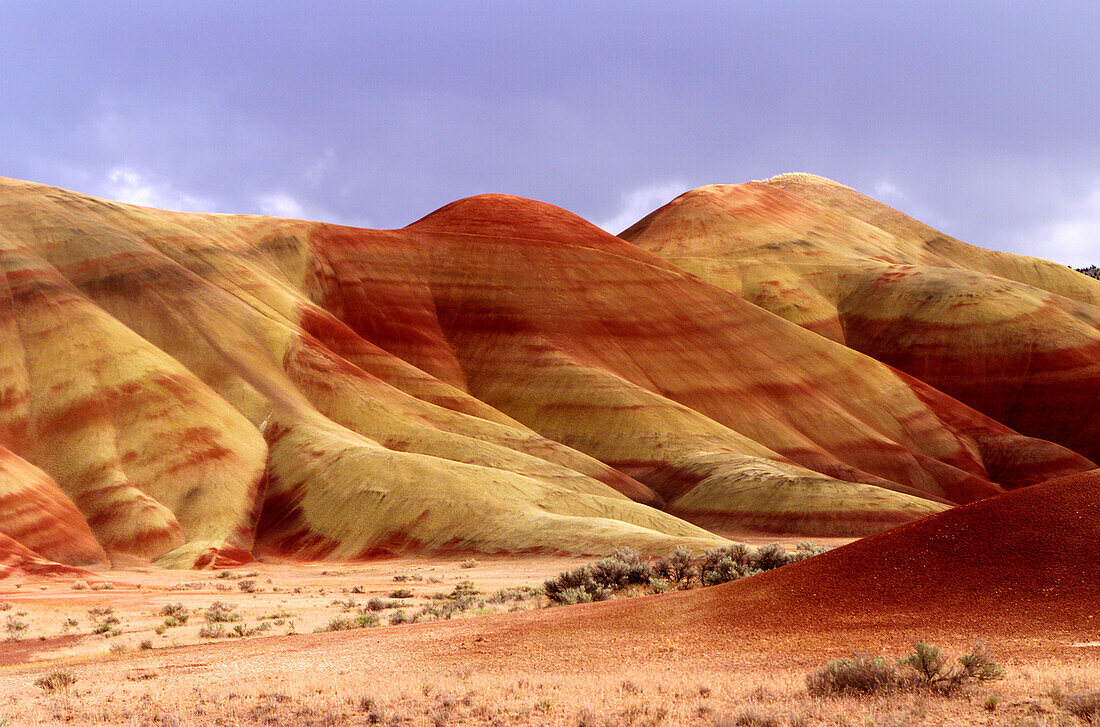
<point x="979" y="118"/>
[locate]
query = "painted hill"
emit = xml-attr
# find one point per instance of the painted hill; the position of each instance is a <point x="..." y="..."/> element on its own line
<point x="1015" y="337"/>
<point x="500" y="376"/>
<point x="1019" y="565"/>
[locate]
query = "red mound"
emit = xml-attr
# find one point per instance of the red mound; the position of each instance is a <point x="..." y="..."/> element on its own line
<point x="1013" y="566"/>
<point x="1032" y="554"/>
<point x="16" y="560"/>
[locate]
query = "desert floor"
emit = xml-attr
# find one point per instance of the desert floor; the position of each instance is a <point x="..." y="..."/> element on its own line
<point x="501" y="669"/>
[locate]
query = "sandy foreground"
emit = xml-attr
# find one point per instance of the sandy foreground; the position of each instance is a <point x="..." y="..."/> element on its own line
<point x="484" y="666"/>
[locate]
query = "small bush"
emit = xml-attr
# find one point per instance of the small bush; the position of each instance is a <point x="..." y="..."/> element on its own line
<point x="119" y="648"/>
<point x="378" y="604"/>
<point x="173" y="609"/>
<point x="55" y="681"/>
<point x="979" y="663"/>
<point x="213" y="630"/>
<point x="469" y="563"/>
<point x="769" y="557"/>
<point x="221" y="612"/>
<point x="107" y="625"/>
<point x="521" y="593"/>
<point x="146" y="644"/>
<point x="571" y="596"/>
<point x="859" y="675"/>
<point x="401" y="593"/>
<point x="15" y="628"/>
<point x="347" y="623"/>
<point x="247" y="586"/>
<point x="676" y="568"/>
<point x="598" y="580"/>
<point x="925" y="669"/>
<point x="622" y="568"/>
<point x="465" y="589"/>
<point x="807" y="549"/>
<point x="279" y="613"/>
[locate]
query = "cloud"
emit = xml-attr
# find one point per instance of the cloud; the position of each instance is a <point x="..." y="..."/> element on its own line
<point x="280" y="204"/>
<point x="320" y="169"/>
<point x="126" y="184"/>
<point x="893" y="195"/>
<point x="639" y="202"/>
<point x="1073" y="238"/>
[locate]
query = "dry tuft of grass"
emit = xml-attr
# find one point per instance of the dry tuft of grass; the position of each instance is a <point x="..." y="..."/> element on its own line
<point x="55" y="681"/>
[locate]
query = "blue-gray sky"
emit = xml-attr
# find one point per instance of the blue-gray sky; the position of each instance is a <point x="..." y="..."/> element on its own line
<point x="980" y="118"/>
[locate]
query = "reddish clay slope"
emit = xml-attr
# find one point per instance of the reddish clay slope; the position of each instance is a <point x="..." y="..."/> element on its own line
<point x="37" y="514"/>
<point x="1022" y="564"/>
<point x="573" y="332"/>
<point x="16" y="560"/>
<point x="994" y="330"/>
<point x="1034" y="553"/>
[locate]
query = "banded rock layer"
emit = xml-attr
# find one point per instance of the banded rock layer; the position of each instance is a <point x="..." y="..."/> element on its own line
<point x="500" y="376"/>
<point x="1015" y="337"/>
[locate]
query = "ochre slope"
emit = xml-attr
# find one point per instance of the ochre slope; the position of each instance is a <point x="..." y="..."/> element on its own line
<point x="326" y="482"/>
<point x="149" y="455"/>
<point x="194" y="289"/>
<point x="1033" y="271"/>
<point x="1025" y="356"/>
<point x="541" y="321"/>
<point x="198" y="384"/>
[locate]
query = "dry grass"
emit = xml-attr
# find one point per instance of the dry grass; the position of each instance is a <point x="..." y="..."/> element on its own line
<point x="154" y="609"/>
<point x="367" y="677"/>
<point x="748" y="699"/>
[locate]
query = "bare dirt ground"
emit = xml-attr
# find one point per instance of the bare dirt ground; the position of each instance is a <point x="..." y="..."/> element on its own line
<point x="594" y="664"/>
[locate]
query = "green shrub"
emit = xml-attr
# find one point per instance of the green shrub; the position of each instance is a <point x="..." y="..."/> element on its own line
<point x="520" y="593"/>
<point x="465" y="589"/>
<point x="622" y="568"/>
<point x="860" y="674"/>
<point x="15" y="628"/>
<point x="676" y="568"/>
<point x="599" y="580"/>
<point x="769" y="557"/>
<point x="221" y="612"/>
<point x="214" y="630"/>
<point x="979" y="663"/>
<point x="925" y="669"/>
<point x="728" y="563"/>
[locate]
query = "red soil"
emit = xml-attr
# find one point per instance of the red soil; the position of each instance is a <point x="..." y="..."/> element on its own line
<point x="1017" y="568"/>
